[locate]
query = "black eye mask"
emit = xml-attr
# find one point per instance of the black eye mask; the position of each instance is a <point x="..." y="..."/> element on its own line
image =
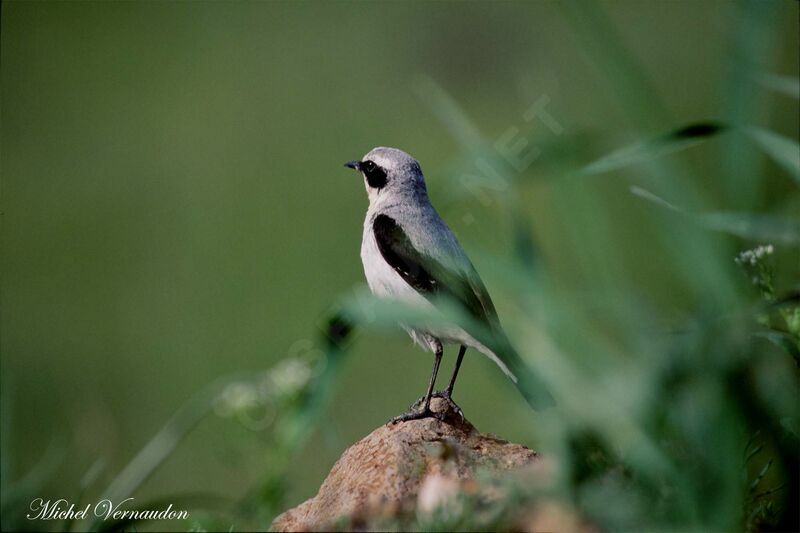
<point x="376" y="176"/>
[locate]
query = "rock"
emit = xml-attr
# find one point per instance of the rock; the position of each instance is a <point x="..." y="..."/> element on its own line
<point x="409" y="467"/>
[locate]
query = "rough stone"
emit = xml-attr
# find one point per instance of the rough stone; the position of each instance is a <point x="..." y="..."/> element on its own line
<point x="401" y="467"/>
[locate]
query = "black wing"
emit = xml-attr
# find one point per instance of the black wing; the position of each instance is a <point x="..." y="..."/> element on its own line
<point x="428" y="276"/>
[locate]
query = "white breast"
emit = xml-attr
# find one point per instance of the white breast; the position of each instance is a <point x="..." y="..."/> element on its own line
<point x="384" y="282"/>
<point x="382" y="279"/>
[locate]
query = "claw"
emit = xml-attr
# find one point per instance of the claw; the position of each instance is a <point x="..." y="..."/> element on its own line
<point x="414" y="415"/>
<point x="416" y="412"/>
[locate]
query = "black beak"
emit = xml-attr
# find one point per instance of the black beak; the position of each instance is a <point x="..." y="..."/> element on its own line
<point x="355" y="165"/>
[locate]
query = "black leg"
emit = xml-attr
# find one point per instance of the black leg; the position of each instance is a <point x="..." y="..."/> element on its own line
<point x="437" y="359"/>
<point x="461" y="352"/>
<point x="426" y="406"/>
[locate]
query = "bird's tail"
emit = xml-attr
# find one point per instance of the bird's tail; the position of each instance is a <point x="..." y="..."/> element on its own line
<point x="528" y="383"/>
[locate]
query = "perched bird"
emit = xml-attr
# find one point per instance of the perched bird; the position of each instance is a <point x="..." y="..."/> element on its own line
<point x="411" y="255"/>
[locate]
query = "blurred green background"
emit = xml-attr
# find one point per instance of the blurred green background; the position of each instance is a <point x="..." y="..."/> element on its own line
<point x="175" y="207"/>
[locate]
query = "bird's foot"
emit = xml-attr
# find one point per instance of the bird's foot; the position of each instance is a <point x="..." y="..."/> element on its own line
<point x="416" y="414"/>
<point x="436" y="394"/>
<point x="451" y="405"/>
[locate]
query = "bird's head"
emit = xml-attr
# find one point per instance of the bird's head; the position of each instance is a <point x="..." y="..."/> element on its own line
<point x="389" y="172"/>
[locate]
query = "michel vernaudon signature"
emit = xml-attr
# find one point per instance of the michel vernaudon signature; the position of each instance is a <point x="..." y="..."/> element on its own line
<point x="61" y="509"/>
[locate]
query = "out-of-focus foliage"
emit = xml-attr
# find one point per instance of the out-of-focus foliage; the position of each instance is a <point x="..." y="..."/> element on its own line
<point x="663" y="422"/>
<point x="623" y="175"/>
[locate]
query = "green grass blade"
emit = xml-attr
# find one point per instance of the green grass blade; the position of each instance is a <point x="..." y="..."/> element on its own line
<point x="751" y="226"/>
<point x="788" y="85"/>
<point x="752" y="45"/>
<point x="161" y="446"/>
<point x="16" y="497"/>
<point x="783" y="150"/>
<point x="668" y="143"/>
<point x="449" y="113"/>
<point x="755" y="227"/>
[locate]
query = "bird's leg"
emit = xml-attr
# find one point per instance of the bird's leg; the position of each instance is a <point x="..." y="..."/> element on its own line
<point x="448" y="392"/>
<point x="425" y="412"/>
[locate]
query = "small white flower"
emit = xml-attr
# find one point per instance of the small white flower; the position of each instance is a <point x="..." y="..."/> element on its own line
<point x="761" y="251"/>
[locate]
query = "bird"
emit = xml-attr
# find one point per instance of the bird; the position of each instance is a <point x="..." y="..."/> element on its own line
<point x="410" y="254"/>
